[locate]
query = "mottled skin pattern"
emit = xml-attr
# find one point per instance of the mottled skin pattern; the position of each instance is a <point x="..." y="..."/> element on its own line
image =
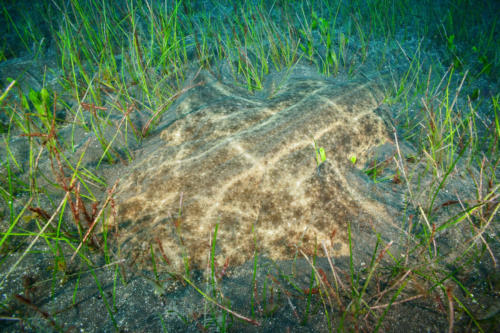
<point x="248" y="163"/>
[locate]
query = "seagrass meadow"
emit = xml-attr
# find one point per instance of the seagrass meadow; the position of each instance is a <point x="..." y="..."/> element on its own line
<point x="252" y="166"/>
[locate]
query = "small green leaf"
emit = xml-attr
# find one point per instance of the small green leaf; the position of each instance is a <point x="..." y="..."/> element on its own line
<point x="322" y="154"/>
<point x="44" y="95"/>
<point x="34" y="97"/>
<point x="24" y="102"/>
<point x="314" y="24"/>
<point x="324" y="26"/>
<point x="317" y="155"/>
<point x="353" y="160"/>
